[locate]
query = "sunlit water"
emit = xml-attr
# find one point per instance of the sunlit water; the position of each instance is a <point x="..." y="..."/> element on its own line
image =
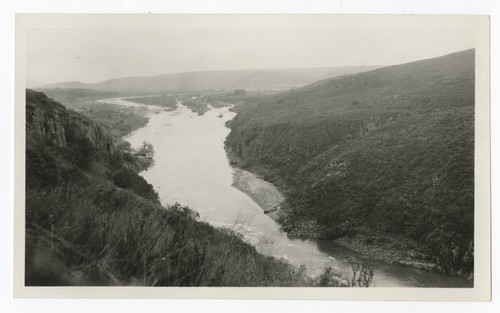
<point x="191" y="167"/>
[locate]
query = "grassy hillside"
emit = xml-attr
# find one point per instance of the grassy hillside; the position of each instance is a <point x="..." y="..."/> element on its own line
<point x="269" y="79"/>
<point x="381" y="156"/>
<point x="92" y="221"/>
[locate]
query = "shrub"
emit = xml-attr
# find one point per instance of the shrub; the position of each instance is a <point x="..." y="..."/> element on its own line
<point x="127" y="179"/>
<point x="240" y="92"/>
<point x="146" y="150"/>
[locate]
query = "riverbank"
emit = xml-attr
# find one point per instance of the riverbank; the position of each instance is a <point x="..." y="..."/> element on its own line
<point x="390" y="249"/>
<point x="398" y="250"/>
<point x="270" y="199"/>
<point x="265" y="194"/>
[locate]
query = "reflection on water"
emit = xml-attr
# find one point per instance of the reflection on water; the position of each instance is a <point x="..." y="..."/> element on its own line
<point x="191" y="167"/>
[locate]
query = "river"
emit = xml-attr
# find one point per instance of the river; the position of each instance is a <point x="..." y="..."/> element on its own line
<point x="191" y="167"/>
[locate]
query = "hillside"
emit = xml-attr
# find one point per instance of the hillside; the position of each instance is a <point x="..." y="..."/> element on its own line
<point x="91" y="221"/>
<point x="77" y="95"/>
<point x="279" y="79"/>
<point x="384" y="157"/>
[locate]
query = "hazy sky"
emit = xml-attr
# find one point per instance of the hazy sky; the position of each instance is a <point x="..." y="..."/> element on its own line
<point x="96" y="54"/>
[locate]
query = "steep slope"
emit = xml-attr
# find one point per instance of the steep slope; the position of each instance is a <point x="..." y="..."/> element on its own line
<point x="374" y="155"/>
<point x="279" y="79"/>
<point x="92" y="221"/>
<point x="50" y="121"/>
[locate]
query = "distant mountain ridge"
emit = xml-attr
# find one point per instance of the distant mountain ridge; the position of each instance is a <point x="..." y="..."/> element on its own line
<point x="260" y="79"/>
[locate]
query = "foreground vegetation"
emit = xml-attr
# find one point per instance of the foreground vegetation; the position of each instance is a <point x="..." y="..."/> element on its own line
<point x="91" y="220"/>
<point x="384" y="158"/>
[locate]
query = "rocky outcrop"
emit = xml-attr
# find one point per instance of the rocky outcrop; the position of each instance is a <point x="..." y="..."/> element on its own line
<point x="58" y="126"/>
<point x="372" y="124"/>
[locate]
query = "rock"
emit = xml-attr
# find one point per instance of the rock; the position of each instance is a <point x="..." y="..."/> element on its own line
<point x="58" y="125"/>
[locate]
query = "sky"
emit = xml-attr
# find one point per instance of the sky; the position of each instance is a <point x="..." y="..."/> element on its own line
<point x="97" y="51"/>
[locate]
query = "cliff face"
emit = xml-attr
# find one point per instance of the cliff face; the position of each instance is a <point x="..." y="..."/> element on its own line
<point x="49" y="120"/>
<point x="295" y="145"/>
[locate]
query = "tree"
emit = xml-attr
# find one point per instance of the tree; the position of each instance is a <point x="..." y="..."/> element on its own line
<point x="146" y="150"/>
<point x="330" y="278"/>
<point x="127" y="179"/>
<point x="240" y="92"/>
<point x="362" y="275"/>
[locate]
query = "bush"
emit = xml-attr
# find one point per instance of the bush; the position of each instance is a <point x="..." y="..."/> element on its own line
<point x="240" y="92"/>
<point x="330" y="278"/>
<point x="127" y="179"/>
<point x="146" y="150"/>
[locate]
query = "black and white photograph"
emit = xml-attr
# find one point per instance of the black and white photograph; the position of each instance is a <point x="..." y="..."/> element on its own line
<point x="322" y="153"/>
